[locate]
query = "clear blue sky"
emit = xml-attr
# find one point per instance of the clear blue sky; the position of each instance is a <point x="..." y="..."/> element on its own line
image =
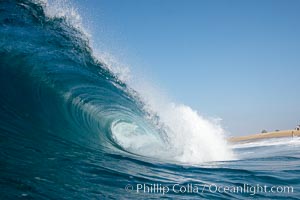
<point x="237" y="60"/>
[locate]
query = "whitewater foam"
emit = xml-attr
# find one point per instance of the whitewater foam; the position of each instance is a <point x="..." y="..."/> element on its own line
<point x="269" y="142"/>
<point x="192" y="138"/>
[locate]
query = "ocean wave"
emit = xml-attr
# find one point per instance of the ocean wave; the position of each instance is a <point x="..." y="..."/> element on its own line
<point x="50" y="50"/>
<point x="73" y="127"/>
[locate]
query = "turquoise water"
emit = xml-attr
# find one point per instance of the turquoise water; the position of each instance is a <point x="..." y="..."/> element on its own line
<point x="71" y="129"/>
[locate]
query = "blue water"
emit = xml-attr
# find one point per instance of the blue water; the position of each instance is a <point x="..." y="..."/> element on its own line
<point x="70" y="129"/>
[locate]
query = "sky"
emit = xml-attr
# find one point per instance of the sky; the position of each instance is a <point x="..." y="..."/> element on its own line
<point x="237" y="60"/>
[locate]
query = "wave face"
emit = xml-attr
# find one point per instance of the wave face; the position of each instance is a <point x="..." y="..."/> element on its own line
<point x="71" y="129"/>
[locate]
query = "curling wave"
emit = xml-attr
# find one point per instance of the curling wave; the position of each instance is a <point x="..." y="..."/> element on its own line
<point x="71" y="127"/>
<point x="63" y="87"/>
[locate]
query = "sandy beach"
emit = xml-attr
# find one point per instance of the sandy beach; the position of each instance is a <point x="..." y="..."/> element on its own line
<point x="275" y="134"/>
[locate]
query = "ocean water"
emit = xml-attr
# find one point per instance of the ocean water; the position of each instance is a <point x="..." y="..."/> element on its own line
<point x="72" y="128"/>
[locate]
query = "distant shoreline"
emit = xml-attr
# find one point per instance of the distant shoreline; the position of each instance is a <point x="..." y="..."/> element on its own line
<point x="269" y="135"/>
